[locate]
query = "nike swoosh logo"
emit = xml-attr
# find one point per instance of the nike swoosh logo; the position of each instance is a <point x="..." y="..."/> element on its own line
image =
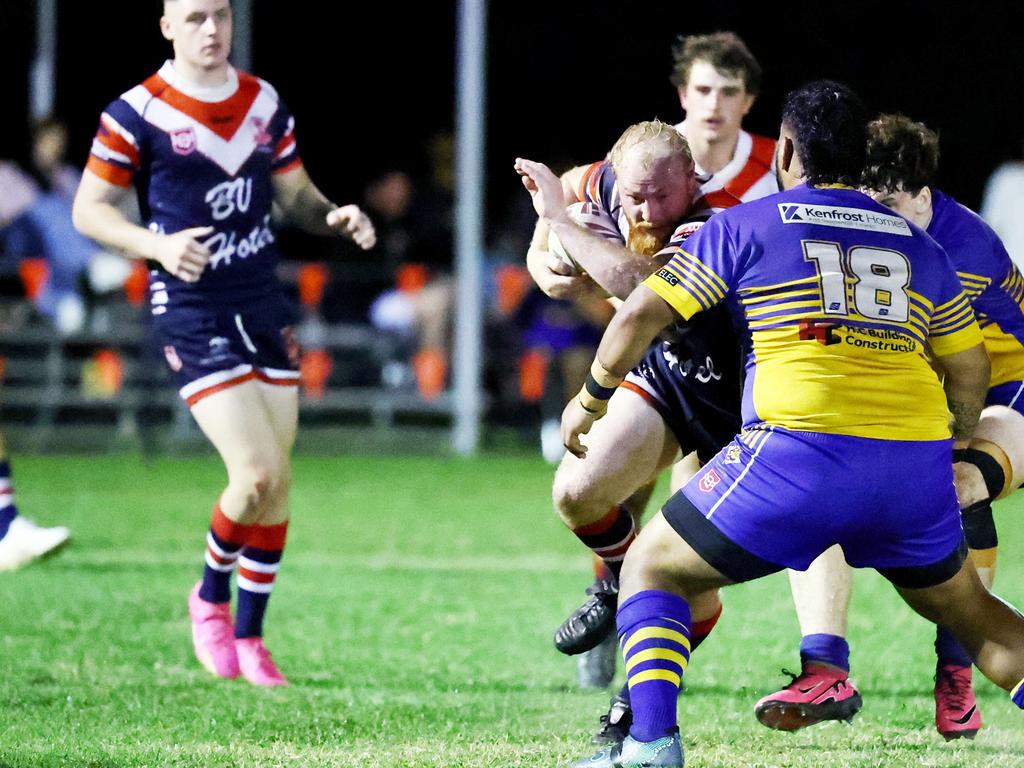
<point x="963" y="720"/>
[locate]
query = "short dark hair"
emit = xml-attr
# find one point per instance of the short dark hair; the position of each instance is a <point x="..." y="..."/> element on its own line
<point x="901" y="155"/>
<point x="725" y="51"/>
<point x="829" y="123"/>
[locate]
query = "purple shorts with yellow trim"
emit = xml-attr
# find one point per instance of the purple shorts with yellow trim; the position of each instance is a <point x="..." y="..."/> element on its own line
<point x="1010" y="394"/>
<point x="784" y="497"/>
<point x="211" y="351"/>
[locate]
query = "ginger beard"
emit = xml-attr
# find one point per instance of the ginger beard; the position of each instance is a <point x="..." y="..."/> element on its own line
<point x="643" y="240"/>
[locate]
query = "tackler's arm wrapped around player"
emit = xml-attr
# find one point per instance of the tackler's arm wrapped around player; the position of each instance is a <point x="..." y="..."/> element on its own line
<point x="642" y="316"/>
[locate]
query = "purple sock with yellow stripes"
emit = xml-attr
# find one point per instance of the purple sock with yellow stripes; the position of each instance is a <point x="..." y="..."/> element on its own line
<point x="654" y="633"/>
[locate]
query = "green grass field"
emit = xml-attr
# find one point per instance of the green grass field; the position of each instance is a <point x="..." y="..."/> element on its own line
<point x="413" y="616"/>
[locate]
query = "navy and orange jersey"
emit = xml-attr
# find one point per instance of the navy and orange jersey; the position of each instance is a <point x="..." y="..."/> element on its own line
<point x="750" y="175"/>
<point x="991" y="280"/>
<point x="837" y="301"/>
<point x="202" y="158"/>
<point x="599" y="187"/>
<point x="708" y="342"/>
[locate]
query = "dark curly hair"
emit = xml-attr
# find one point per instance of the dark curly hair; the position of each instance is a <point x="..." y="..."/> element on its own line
<point x="725" y="51"/>
<point x="829" y="123"/>
<point x="902" y="155"/>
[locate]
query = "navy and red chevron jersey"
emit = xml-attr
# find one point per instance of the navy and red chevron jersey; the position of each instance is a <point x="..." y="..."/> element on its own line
<point x="202" y="157"/>
<point x="599" y="185"/>
<point x="703" y="339"/>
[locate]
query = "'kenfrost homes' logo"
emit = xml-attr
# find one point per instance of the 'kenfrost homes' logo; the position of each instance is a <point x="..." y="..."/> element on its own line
<point x="844" y="218"/>
<point x="790" y="212"/>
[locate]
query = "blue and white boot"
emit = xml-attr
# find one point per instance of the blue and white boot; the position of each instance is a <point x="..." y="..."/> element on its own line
<point x="666" y="752"/>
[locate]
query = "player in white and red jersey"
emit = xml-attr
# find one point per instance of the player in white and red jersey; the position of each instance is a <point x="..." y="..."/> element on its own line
<point x="718" y="79"/>
<point x="208" y="151"/>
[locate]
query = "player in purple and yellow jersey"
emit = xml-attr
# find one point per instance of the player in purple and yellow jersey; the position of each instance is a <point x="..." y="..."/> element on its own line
<point x="208" y="151"/>
<point x="902" y="162"/>
<point x="846" y="429"/>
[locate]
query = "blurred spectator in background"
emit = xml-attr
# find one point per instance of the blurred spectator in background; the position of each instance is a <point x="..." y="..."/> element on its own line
<point x="560" y="337"/>
<point x="17" y="191"/>
<point x="1002" y="206"/>
<point x="21" y="540"/>
<point x="54" y="259"/>
<point x="557" y="338"/>
<point x="414" y="228"/>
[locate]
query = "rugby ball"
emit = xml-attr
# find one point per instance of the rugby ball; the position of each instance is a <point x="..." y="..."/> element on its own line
<point x="593" y="219"/>
<point x="555" y="248"/>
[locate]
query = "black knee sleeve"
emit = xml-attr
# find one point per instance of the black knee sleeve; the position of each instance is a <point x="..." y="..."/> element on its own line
<point x="991" y="472"/>
<point x="979" y="527"/>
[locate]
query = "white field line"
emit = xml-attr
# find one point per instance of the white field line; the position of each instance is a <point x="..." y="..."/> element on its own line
<point x="390" y="561"/>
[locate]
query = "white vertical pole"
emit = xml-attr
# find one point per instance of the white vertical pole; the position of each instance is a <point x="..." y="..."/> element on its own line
<point x="42" y="80"/>
<point x="471" y="101"/>
<point x="241" y="46"/>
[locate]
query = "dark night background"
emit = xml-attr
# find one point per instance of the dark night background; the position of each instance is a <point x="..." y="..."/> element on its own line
<point x="370" y="83"/>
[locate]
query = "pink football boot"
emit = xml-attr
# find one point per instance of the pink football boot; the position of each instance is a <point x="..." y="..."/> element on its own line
<point x="213" y="635"/>
<point x="255" y="663"/>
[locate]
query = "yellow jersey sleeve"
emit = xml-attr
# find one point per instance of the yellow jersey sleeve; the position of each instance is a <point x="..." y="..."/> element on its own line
<point x="687" y="285"/>
<point x="954" y="328"/>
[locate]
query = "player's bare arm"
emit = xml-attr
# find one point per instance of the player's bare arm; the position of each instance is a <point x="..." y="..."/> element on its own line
<point x="551" y="274"/>
<point x="306" y="206"/>
<point x="966" y="384"/>
<point x="640" y="318"/>
<point x="612" y="266"/>
<point x="99" y="214"/>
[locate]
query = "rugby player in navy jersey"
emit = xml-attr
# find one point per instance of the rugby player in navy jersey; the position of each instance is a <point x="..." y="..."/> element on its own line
<point x="208" y="150"/>
<point x="717" y="80"/>
<point x="842" y="308"/>
<point x="684" y="396"/>
<point x="902" y="162"/>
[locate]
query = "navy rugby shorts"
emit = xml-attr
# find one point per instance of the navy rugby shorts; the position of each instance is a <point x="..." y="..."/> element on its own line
<point x="698" y="402"/>
<point x="209" y="351"/>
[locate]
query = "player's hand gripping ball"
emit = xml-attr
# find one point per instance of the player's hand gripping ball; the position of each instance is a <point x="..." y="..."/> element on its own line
<point x="591" y="218"/>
